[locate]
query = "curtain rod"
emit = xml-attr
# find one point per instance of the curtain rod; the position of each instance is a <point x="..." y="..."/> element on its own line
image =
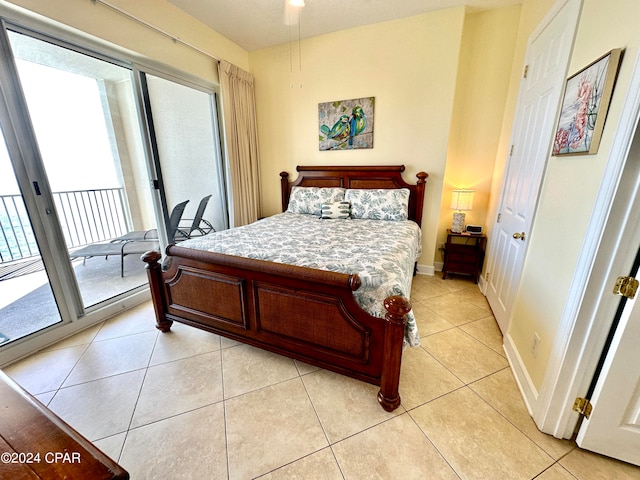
<point x="153" y="27"/>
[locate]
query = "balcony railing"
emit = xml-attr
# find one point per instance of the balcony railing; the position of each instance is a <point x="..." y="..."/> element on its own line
<point x="86" y="216"/>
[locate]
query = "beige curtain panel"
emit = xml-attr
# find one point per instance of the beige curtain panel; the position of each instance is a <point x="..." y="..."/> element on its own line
<point x="241" y="133"/>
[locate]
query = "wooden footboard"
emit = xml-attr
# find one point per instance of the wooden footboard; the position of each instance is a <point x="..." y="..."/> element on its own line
<point x="307" y="314"/>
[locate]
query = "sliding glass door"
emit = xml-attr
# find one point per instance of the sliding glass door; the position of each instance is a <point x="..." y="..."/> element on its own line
<point x="24" y="285"/>
<point x="187" y="153"/>
<point x="84" y="118"/>
<point x="99" y="153"/>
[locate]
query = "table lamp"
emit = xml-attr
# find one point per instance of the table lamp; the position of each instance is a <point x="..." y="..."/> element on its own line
<point x="461" y="200"/>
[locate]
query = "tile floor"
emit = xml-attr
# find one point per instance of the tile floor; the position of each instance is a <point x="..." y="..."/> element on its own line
<point x="192" y="405"/>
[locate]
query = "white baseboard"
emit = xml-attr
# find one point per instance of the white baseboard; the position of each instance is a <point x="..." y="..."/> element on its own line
<point x="426" y="270"/>
<point x="526" y="386"/>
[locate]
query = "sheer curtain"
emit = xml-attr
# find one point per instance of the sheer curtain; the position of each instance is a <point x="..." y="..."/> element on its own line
<point x="238" y="105"/>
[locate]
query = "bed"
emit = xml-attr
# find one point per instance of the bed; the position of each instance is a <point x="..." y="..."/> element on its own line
<point x="314" y="312"/>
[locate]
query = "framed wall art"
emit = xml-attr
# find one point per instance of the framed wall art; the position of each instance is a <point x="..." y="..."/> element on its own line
<point x="346" y="124"/>
<point x="584" y="106"/>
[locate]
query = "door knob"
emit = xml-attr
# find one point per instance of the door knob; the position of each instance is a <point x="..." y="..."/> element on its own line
<point x="519" y="236"/>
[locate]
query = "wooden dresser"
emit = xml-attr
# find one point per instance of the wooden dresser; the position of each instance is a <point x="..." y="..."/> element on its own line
<point x="37" y="444"/>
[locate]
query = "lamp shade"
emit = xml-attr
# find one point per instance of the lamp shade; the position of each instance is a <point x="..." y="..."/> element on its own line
<point x="462" y="199"/>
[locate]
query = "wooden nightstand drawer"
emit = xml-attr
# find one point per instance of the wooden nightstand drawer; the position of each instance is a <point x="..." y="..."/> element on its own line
<point x="463" y="254"/>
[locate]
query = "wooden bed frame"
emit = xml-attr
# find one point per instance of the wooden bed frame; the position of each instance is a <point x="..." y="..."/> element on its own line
<point x="303" y="313"/>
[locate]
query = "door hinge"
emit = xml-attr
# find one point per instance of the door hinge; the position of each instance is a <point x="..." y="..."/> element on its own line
<point x="511" y="151"/>
<point x="487" y="276"/>
<point x="498" y="219"/>
<point x="583" y="406"/>
<point x="626" y="287"/>
<point x="526" y="71"/>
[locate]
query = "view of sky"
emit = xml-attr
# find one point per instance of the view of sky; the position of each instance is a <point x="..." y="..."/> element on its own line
<point x="67" y="114"/>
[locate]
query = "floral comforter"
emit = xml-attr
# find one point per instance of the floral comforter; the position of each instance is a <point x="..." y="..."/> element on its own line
<point x="382" y="253"/>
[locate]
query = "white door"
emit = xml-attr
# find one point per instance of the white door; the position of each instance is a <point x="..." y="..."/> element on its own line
<point x="613" y="429"/>
<point x="547" y="59"/>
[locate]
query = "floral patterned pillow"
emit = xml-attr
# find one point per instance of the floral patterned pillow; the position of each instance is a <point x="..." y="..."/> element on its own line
<point x="310" y="199"/>
<point x="379" y="204"/>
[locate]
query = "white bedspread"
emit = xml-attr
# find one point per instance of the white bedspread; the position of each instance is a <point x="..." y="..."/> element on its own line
<point x="383" y="253"/>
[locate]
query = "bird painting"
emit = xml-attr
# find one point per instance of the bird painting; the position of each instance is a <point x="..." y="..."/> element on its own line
<point x="343" y="133"/>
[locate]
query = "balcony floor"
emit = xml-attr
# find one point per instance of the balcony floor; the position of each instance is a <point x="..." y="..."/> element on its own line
<point x="27" y="304"/>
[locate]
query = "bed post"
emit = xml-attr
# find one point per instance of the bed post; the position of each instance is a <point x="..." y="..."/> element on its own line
<point x="154" y="274"/>
<point x="420" y="187"/>
<point x="284" y="190"/>
<point x="397" y="308"/>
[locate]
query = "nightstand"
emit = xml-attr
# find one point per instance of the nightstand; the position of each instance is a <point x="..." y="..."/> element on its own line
<point x="464" y="253"/>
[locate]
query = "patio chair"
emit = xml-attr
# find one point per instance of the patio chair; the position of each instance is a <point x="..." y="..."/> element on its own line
<point x="198" y="224"/>
<point x="123" y="249"/>
<point x="147" y="235"/>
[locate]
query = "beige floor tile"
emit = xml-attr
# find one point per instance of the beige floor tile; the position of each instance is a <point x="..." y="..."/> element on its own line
<point x="555" y="472"/>
<point x="486" y="330"/>
<point x="454" y="284"/>
<point x="477" y="441"/>
<point x="246" y="368"/>
<point x="471" y="294"/>
<point x="501" y="391"/>
<point x="586" y="465"/>
<point x="396" y="448"/>
<point x="227" y="342"/>
<point x="183" y="341"/>
<point x="85" y="337"/>
<point x="455" y="311"/>
<point x="304" y="368"/>
<point x="112" y="446"/>
<point x="321" y="465"/>
<point x="45" y="398"/>
<point x="269" y="428"/>
<point x="463" y="355"/>
<point x="112" y="357"/>
<point x="188" y="446"/>
<point x="282" y="415"/>
<point x="422" y="378"/>
<point x="425" y="290"/>
<point x="137" y="320"/>
<point x="429" y="322"/>
<point x="177" y="387"/>
<point x="45" y="371"/>
<point x="344" y="405"/>
<point x="100" y="408"/>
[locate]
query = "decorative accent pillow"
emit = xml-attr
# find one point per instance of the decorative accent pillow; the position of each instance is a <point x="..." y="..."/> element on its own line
<point x="379" y="204"/>
<point x="310" y="199"/>
<point x="336" y="210"/>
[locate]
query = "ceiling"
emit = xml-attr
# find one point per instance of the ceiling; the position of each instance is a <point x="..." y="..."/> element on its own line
<point x="256" y="24"/>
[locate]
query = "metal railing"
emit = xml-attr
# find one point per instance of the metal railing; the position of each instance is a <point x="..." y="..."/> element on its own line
<point x="86" y="216"/>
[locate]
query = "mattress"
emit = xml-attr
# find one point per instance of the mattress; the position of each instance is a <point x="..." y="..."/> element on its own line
<point x="383" y="253"/>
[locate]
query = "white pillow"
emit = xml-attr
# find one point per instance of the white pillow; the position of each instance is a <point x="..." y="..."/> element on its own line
<point x="310" y="199"/>
<point x="379" y="204"/>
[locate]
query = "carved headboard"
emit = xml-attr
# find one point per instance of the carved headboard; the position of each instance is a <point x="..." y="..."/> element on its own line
<point x="388" y="176"/>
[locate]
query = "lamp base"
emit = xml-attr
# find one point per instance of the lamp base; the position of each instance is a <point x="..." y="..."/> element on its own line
<point x="458" y="222"/>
